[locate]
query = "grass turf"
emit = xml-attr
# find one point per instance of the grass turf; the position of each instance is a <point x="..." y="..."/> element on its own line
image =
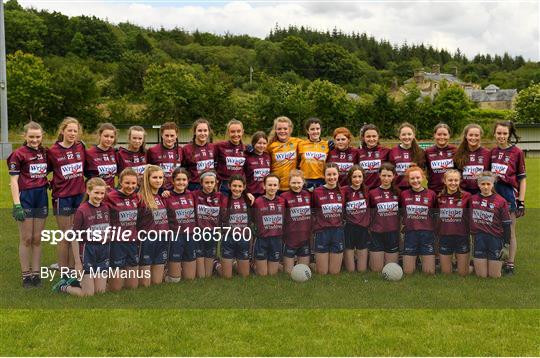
<point x="352" y="314"/>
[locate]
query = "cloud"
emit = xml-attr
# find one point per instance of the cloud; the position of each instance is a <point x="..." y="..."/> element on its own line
<point x="473" y="27"/>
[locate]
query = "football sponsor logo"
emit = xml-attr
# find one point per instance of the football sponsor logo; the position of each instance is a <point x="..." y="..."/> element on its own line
<point x="355" y="206"/>
<point x="290" y="155"/>
<point x="370" y="165"/>
<point x="235" y="163"/>
<point x="168" y="168"/>
<point x="450" y="214"/>
<point x="109" y="169"/>
<point x="482" y="216"/>
<point x="272" y="220"/>
<point x="139" y="169"/>
<point x="300" y="212"/>
<point x="402" y="167"/>
<point x="160" y="215"/>
<point x="387" y="207"/>
<point x="315" y="156"/>
<point x="185" y="215"/>
<point x="239" y="219"/>
<point x="442" y="165"/>
<point x="208" y="211"/>
<point x="344" y="167"/>
<point x="261" y="173"/>
<point x="127" y="216"/>
<point x="99" y="227"/>
<point x="205" y="165"/>
<point x="472" y="171"/>
<point x="38" y="169"/>
<point x="331" y="209"/>
<point x="499" y="169"/>
<point x="71" y="170"/>
<point x="417" y="211"/>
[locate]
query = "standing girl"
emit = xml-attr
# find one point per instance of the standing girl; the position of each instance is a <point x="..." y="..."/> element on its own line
<point x="257" y="165"/>
<point x="101" y="158"/>
<point x="385" y="225"/>
<point x="168" y="154"/>
<point x="199" y="154"/>
<point x="230" y="156"/>
<point x="371" y="155"/>
<point x="327" y="204"/>
<point x="297" y="231"/>
<point x="313" y="152"/>
<point x="123" y="205"/>
<point x="406" y="153"/>
<point x="453" y="224"/>
<point x="27" y="167"/>
<point x="357" y="221"/>
<point x="134" y="156"/>
<point x="282" y="150"/>
<point x="418" y="204"/>
<point x="490" y="226"/>
<point x="92" y="254"/>
<point x="343" y="154"/>
<point x="439" y="157"/>
<point x="66" y="160"/>
<point x="508" y="163"/>
<point x="182" y="220"/>
<point x="471" y="158"/>
<point x="269" y="210"/>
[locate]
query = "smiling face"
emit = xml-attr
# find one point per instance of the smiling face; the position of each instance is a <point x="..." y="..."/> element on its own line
<point x="260" y="146"/>
<point x="106" y="139"/>
<point x="473" y="137"/>
<point x="406" y="136"/>
<point x="441" y="136"/>
<point x="128" y="184"/>
<point x="156" y="180"/>
<point x="357" y="178"/>
<point x="96" y="195"/>
<point x="202" y="133"/>
<point x="342" y="142"/>
<point x="169" y="137"/>
<point x="136" y="139"/>
<point x="237" y="188"/>
<point x="386" y="176"/>
<point x="283" y="131"/>
<point x="71" y="133"/>
<point x="180" y="182"/>
<point x="371" y="137"/>
<point x="271" y="186"/>
<point x="314" y="132"/>
<point x="451" y="180"/>
<point x="502" y="134"/>
<point x="331" y="176"/>
<point x="235" y="133"/>
<point x="296" y="184"/>
<point x="33" y="138"/>
<point x="208" y="184"/>
<point x="415" y="179"/>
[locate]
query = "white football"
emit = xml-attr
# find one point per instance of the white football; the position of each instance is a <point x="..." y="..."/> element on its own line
<point x="301" y="273"/>
<point x="392" y="272"/>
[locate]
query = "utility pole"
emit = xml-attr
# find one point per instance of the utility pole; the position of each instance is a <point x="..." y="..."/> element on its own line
<point x="5" y="146"/>
<point x="250" y="75"/>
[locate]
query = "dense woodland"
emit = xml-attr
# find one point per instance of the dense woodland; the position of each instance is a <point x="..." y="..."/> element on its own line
<point x="97" y="71"/>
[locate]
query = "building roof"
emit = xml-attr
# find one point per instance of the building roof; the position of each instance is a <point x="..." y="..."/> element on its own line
<point x="491" y="93"/>
<point x="437" y="77"/>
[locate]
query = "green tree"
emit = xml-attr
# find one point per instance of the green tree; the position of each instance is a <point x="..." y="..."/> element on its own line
<point x="129" y="75"/>
<point x="451" y="106"/>
<point x="528" y="105"/>
<point x="297" y="56"/>
<point x="332" y="62"/>
<point x="25" y="31"/>
<point x="59" y="33"/>
<point x="330" y="103"/>
<point x="142" y="44"/>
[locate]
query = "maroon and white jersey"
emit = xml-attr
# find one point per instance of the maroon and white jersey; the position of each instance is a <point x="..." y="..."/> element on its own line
<point x="230" y="159"/>
<point x="344" y="159"/>
<point x="198" y="159"/>
<point x="489" y="214"/>
<point x="123" y="211"/>
<point x="181" y="211"/>
<point x="256" y="168"/>
<point x="95" y="218"/>
<point x="384" y="205"/>
<point x="327" y="207"/>
<point x="402" y="160"/>
<point x="209" y="208"/>
<point x="476" y="163"/>
<point x="125" y="158"/>
<point x="67" y="165"/>
<point x="269" y="215"/>
<point x="297" y="217"/>
<point x="508" y="164"/>
<point x="30" y="165"/>
<point x="453" y="218"/>
<point x="167" y="159"/>
<point x="370" y="159"/>
<point x="418" y="207"/>
<point x="356" y="206"/>
<point x="237" y="213"/>
<point x="438" y="161"/>
<point x="101" y="163"/>
<point x="153" y="219"/>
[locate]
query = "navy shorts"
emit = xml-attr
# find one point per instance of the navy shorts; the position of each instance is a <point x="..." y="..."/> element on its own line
<point x="67" y="206"/>
<point x="124" y="254"/>
<point x="94" y="256"/>
<point x="508" y="193"/>
<point x="235" y="249"/>
<point x="182" y="249"/>
<point x="454" y="244"/>
<point x="421" y="242"/>
<point x="268" y="248"/>
<point x="224" y="187"/>
<point x="35" y="202"/>
<point x="153" y="252"/>
<point x="292" y="252"/>
<point x="356" y="237"/>
<point x="313" y="183"/>
<point x="487" y="246"/>
<point x="384" y="241"/>
<point x="330" y="240"/>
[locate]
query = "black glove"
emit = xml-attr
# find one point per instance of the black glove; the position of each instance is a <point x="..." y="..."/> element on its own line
<point x="249" y="149"/>
<point x="331" y="144"/>
<point x="18" y="212"/>
<point x="506" y="234"/>
<point x="520" y="208"/>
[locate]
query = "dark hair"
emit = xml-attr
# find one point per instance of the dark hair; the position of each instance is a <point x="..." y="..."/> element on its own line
<point x="257" y="136"/>
<point x="511" y="130"/>
<point x="331" y="165"/>
<point x="270" y="176"/>
<point x="137" y="129"/>
<point x="391" y="168"/>
<point x="178" y="171"/>
<point x="418" y="155"/>
<point x="462" y="152"/>
<point x="241" y="178"/>
<point x="350" y="173"/>
<point x="442" y="125"/>
<point x="364" y="129"/>
<point x="309" y="122"/>
<point x="196" y="124"/>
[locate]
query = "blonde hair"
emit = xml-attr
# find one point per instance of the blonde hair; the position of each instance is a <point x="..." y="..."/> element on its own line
<point x="93" y="183"/>
<point x="67" y="121"/>
<point x="146" y="190"/>
<point x="281" y="119"/>
<point x="296" y="173"/>
<point x="107" y="127"/>
<point x="137" y="129"/>
<point x="445" y="176"/>
<point x="30" y="126"/>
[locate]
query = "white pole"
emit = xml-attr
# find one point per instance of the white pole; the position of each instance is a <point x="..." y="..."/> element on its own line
<point x="5" y="146"/>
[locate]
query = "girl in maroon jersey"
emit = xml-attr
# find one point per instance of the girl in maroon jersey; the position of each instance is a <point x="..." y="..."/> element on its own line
<point x="92" y="254"/>
<point x="471" y="158"/>
<point x="257" y="165"/>
<point x="168" y="154"/>
<point x="297" y="231"/>
<point x="230" y="156"/>
<point x="66" y="160"/>
<point x="343" y="154"/>
<point x="418" y="204"/>
<point x="490" y="226"/>
<point x="406" y="153"/>
<point x="439" y="157"/>
<point x="181" y="212"/>
<point x="385" y="225"/>
<point x="28" y="181"/>
<point x="508" y="162"/>
<point x="357" y="220"/>
<point x="199" y="155"/>
<point x="134" y="156"/>
<point x="371" y="155"/>
<point x="327" y="204"/>
<point x="101" y="158"/>
<point x="453" y="224"/>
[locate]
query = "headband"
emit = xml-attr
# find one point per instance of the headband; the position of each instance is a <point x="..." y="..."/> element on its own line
<point x="206" y="174"/>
